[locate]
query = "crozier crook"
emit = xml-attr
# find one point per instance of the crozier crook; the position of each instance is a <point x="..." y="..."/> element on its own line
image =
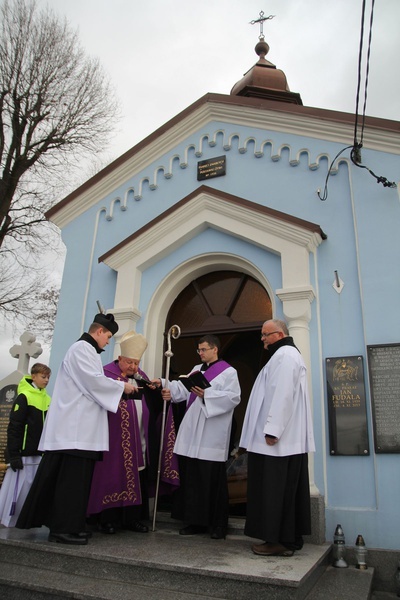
<point x="174" y="332"/>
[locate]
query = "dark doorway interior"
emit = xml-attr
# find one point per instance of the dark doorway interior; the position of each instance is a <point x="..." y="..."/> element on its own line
<point x="233" y="306"/>
<point x="243" y="350"/>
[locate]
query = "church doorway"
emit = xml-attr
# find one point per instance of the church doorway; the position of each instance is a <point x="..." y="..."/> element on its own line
<point x="233" y="306"/>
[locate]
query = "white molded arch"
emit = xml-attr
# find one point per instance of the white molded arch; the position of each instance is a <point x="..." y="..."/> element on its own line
<point x="176" y="281"/>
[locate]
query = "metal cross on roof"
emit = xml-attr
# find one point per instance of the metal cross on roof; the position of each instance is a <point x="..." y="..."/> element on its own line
<point x="261" y="22"/>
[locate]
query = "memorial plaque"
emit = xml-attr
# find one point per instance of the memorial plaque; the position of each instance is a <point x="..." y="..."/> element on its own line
<point x="384" y="377"/>
<point x="7" y="395"/>
<point x="212" y="167"/>
<point x="348" y="430"/>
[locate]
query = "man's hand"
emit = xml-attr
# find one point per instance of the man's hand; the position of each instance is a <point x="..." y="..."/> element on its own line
<point x="129" y="388"/>
<point x="270" y="440"/>
<point x="198" y="391"/>
<point x="16" y="463"/>
<point x="156" y="384"/>
<point x="166" y="394"/>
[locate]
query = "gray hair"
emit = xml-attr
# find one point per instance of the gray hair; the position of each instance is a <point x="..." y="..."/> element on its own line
<point x="280" y="325"/>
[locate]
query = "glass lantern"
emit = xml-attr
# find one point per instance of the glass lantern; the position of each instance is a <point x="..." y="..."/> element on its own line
<point x="361" y="553"/>
<point x="339" y="548"/>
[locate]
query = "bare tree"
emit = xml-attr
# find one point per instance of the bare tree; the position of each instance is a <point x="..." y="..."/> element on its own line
<point x="46" y="301"/>
<point x="29" y="288"/>
<point x="57" y="107"/>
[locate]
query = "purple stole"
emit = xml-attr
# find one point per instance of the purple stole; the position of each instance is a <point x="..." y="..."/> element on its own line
<point x="169" y="460"/>
<point x="170" y="466"/>
<point x="216" y="369"/>
<point x="115" y="480"/>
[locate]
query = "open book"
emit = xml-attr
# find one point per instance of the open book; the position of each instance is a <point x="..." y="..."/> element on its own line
<point x="194" y="379"/>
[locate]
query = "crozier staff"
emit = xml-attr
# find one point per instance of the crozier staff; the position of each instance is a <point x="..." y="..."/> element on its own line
<point x="74" y="436"/>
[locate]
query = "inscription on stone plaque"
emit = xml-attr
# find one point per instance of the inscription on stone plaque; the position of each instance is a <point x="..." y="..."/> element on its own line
<point x="384" y="376"/>
<point x="348" y="430"/>
<point x="211" y="167"/>
<point x="7" y="395"/>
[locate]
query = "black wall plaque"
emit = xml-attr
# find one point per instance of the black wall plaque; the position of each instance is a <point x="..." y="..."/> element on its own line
<point x="384" y="377"/>
<point x="7" y="396"/>
<point x="348" y="430"/>
<point x="212" y="167"/>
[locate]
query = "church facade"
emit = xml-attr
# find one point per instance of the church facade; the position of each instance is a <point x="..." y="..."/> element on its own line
<point x="215" y="223"/>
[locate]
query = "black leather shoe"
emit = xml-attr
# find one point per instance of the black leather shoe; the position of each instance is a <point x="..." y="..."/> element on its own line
<point x="85" y="534"/>
<point x="192" y="530"/>
<point x="218" y="533"/>
<point x="107" y="528"/>
<point x="67" y="538"/>
<point x="138" y="527"/>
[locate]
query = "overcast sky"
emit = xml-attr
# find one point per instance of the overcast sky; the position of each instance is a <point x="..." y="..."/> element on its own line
<point x="162" y="55"/>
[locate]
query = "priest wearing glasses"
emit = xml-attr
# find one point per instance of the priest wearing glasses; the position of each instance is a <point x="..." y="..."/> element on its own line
<point x="202" y="443"/>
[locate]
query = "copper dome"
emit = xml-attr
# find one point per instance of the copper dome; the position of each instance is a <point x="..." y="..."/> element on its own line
<point x="264" y="80"/>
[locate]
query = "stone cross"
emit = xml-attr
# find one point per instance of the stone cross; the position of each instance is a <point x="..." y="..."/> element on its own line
<point x="29" y="347"/>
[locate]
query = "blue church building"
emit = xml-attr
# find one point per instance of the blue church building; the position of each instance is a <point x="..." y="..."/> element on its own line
<point x="217" y="222"/>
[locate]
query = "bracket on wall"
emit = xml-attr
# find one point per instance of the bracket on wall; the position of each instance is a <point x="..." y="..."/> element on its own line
<point x="338" y="284"/>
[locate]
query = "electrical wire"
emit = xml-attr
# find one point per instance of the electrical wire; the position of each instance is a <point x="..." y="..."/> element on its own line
<point x="355" y="153"/>
<point x="325" y="192"/>
<point x="356" y="144"/>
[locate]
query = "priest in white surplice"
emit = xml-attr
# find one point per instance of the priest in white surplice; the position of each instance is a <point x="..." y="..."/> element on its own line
<point x="74" y="436"/>
<point x="202" y="443"/>
<point x="278" y="433"/>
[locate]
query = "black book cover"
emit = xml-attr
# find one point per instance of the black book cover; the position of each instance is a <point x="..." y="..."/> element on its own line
<point x="194" y="379"/>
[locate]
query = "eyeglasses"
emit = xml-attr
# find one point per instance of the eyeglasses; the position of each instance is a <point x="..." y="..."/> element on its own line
<point x="200" y="350"/>
<point x="265" y="335"/>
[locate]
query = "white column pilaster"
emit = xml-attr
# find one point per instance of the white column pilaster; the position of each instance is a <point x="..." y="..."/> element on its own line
<point x="297" y="311"/>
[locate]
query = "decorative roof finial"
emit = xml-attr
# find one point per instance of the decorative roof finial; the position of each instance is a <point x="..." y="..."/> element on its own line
<point x="261" y="21"/>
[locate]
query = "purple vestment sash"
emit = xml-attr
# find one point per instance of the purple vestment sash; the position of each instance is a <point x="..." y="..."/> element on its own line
<point x="216" y="369"/>
<point x="169" y="460"/>
<point x="116" y="480"/>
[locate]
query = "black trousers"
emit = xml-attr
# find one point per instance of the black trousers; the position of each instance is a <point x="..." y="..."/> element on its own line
<point x="202" y="498"/>
<point x="278" y="499"/>
<point x="59" y="494"/>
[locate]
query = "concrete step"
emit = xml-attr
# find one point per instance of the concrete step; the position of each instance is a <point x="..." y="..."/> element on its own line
<point x="29" y="583"/>
<point x="160" y="564"/>
<point x="343" y="584"/>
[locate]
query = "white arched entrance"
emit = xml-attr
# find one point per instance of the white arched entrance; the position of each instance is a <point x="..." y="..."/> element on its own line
<point x="291" y="238"/>
<point x="171" y="286"/>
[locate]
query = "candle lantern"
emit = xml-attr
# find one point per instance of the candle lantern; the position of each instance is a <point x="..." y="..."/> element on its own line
<point x="339" y="548"/>
<point x="361" y="553"/>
